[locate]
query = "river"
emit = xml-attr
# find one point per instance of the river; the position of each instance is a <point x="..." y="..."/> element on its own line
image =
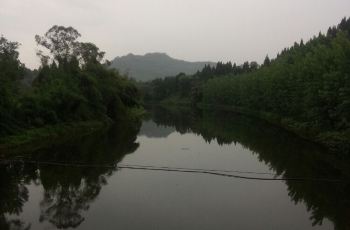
<point x="179" y="169"/>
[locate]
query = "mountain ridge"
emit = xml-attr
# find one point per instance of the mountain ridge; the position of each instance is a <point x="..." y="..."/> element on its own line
<point x="155" y="65"/>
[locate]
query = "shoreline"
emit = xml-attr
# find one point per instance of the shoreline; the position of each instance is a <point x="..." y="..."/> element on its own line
<point x="35" y="139"/>
<point x="335" y="142"/>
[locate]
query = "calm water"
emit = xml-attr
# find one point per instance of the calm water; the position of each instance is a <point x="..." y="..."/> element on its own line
<point x="89" y="196"/>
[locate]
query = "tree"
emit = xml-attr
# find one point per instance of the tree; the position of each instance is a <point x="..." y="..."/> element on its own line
<point x="253" y="65"/>
<point x="89" y="53"/>
<point x="10" y="72"/>
<point x="267" y="61"/>
<point x="8" y="50"/>
<point x="246" y="67"/>
<point x="61" y="42"/>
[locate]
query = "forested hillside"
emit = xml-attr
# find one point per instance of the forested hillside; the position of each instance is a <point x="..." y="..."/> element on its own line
<point x="306" y="88"/>
<point x="72" y="85"/>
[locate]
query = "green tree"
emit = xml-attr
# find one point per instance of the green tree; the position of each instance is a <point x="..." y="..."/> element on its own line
<point x="61" y="42"/>
<point x="267" y="61"/>
<point x="11" y="71"/>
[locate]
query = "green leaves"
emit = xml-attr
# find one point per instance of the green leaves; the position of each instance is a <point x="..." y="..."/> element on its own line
<point x="10" y="72"/>
<point x="307" y="83"/>
<point x="72" y="85"/>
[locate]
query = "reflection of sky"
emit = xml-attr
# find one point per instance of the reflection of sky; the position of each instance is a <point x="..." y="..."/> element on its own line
<point x="31" y="210"/>
<point x="192" y="151"/>
<point x="151" y="129"/>
<point x="171" y="200"/>
<point x="135" y="199"/>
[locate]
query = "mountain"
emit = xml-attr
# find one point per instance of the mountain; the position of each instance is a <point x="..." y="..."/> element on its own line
<point x="154" y="65"/>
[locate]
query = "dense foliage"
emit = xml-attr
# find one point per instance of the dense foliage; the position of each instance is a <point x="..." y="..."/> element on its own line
<point x="71" y="85"/>
<point x="10" y="73"/>
<point x="186" y="86"/>
<point x="306" y="88"/>
<point x="308" y="85"/>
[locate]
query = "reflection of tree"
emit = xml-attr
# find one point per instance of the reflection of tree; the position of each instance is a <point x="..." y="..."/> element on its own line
<point x="68" y="191"/>
<point x="63" y="206"/>
<point x="13" y="195"/>
<point x="181" y="120"/>
<point x="12" y="224"/>
<point x="286" y="154"/>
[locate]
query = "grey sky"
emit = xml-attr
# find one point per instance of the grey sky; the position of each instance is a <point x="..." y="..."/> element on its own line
<point x="197" y="30"/>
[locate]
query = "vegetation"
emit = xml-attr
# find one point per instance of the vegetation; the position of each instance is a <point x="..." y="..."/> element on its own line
<point x="71" y="86"/>
<point x="184" y="89"/>
<point x="306" y="88"/>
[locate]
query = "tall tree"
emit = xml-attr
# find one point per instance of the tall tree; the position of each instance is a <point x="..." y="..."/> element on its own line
<point x="61" y="42"/>
<point x="10" y="72"/>
<point x="267" y="61"/>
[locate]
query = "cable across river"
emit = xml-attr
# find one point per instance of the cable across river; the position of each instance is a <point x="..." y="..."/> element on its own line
<point x="215" y="172"/>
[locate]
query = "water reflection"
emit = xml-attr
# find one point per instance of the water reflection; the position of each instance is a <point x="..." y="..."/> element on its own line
<point x="285" y="153"/>
<point x="151" y="129"/>
<point x="68" y="191"/>
<point x="13" y="195"/>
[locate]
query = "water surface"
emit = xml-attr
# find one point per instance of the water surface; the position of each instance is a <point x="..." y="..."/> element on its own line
<point x="91" y="192"/>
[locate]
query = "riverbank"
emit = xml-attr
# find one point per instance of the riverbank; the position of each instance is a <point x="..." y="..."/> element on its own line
<point x="35" y="139"/>
<point x="335" y="142"/>
<point x="39" y="138"/>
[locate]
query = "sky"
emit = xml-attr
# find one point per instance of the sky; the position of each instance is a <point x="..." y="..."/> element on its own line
<point x="193" y="30"/>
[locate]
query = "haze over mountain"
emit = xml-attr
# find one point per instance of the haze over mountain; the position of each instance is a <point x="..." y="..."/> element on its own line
<point x="154" y="65"/>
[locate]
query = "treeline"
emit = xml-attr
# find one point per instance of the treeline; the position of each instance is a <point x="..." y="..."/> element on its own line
<point x="72" y="84"/>
<point x="306" y="88"/>
<point x="183" y="86"/>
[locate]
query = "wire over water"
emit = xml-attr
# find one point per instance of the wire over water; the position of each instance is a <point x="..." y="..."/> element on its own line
<point x="216" y="172"/>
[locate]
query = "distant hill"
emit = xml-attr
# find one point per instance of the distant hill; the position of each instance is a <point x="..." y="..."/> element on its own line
<point x="154" y="65"/>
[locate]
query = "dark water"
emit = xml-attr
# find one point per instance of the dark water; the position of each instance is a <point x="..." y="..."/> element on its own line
<point x="89" y="196"/>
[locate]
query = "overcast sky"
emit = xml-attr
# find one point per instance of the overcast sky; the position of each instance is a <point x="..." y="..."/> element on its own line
<point x="194" y="30"/>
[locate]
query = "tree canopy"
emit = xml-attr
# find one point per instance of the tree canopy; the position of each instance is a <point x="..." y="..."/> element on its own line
<point x="71" y="85"/>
